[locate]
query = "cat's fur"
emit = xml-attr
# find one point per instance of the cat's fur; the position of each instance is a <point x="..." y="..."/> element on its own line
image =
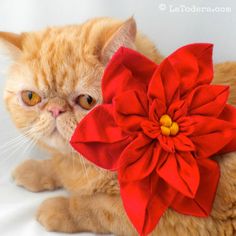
<point x="62" y="62"/>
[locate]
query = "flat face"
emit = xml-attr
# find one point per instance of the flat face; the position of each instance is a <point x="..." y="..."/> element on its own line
<point x="53" y="84"/>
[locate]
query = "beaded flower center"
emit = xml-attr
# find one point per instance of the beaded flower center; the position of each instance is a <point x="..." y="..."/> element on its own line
<point x="168" y="127"/>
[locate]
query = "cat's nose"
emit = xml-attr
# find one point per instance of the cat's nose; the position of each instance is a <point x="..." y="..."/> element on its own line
<point x="56" y="111"/>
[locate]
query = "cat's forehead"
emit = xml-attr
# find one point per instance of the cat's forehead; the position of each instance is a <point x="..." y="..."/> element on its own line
<point x="65" y="45"/>
<point x="62" y="63"/>
<point x="64" y="78"/>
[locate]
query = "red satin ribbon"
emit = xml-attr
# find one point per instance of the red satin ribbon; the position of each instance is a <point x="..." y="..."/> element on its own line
<point x="124" y="134"/>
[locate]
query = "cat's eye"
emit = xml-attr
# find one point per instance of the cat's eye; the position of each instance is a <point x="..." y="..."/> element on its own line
<point x="30" y="98"/>
<point x="85" y="101"/>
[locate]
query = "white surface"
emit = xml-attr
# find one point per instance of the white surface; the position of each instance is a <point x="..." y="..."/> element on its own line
<point x="155" y="18"/>
<point x="17" y="211"/>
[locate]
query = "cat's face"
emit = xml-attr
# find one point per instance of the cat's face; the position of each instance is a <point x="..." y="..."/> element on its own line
<point x="54" y="80"/>
<point x="50" y="99"/>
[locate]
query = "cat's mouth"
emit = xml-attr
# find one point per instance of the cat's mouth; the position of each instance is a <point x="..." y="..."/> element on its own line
<point x="55" y="131"/>
<point x="62" y="128"/>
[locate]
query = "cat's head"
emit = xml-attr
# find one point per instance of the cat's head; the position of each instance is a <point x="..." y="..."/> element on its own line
<point x="55" y="74"/>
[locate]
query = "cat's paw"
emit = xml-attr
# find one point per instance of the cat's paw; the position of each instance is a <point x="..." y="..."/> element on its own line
<point x="54" y="215"/>
<point x="35" y="175"/>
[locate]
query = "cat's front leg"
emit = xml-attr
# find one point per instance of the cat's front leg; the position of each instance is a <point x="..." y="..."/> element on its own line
<point x="36" y="175"/>
<point x="100" y="213"/>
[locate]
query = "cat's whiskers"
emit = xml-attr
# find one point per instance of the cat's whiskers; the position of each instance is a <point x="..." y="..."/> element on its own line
<point x="16" y="144"/>
<point x="20" y="142"/>
<point x="83" y="166"/>
<point x="101" y="171"/>
<point x="31" y="144"/>
<point x="16" y="148"/>
<point x="16" y="139"/>
<point x="73" y="162"/>
<point x="86" y="172"/>
<point x="9" y="91"/>
<point x="26" y="133"/>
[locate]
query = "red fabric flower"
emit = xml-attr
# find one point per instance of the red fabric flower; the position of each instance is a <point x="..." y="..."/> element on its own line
<point x="158" y="127"/>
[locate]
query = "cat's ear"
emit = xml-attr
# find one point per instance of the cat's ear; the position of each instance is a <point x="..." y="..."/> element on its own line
<point x="124" y="36"/>
<point x="11" y="44"/>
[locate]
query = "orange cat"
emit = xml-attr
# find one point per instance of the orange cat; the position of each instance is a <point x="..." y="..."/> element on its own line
<point x="53" y="82"/>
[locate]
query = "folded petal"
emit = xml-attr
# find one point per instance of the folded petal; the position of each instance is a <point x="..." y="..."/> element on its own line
<point x="183" y="143"/>
<point x="130" y="109"/>
<point x="161" y="198"/>
<point x="208" y="100"/>
<point x="143" y="204"/>
<point x="219" y="132"/>
<point x="186" y="125"/>
<point x="193" y="64"/>
<point x="201" y="205"/>
<point x="138" y="160"/>
<point x="156" y="110"/>
<point x="177" y="109"/>
<point x="164" y="84"/>
<point x="211" y="144"/>
<point x="166" y="143"/>
<point x="229" y="114"/>
<point x="207" y="125"/>
<point x="135" y="196"/>
<point x="127" y="70"/>
<point x="100" y="144"/>
<point x="151" y="129"/>
<point x="181" y="172"/>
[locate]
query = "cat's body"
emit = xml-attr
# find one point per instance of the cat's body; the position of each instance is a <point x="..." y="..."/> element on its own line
<point x="60" y="64"/>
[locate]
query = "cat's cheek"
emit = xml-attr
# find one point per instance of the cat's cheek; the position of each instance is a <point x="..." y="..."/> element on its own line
<point x="79" y="113"/>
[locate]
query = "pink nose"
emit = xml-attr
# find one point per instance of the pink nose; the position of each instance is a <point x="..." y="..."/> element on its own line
<point x="56" y="111"/>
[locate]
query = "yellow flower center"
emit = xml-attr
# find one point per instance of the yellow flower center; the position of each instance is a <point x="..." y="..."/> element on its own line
<point x="168" y="127"/>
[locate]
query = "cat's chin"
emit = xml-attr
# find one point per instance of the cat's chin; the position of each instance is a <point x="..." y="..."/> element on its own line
<point x="55" y="132"/>
<point x="56" y="141"/>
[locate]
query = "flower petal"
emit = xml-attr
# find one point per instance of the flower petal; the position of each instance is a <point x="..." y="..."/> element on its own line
<point x="194" y="65"/>
<point x="166" y="143"/>
<point x="135" y="196"/>
<point x="229" y="114"/>
<point x="206" y="148"/>
<point x="130" y="109"/>
<point x="177" y="110"/>
<point x="183" y="143"/>
<point x="181" y="172"/>
<point x="201" y="205"/>
<point x="99" y="144"/>
<point x="156" y="110"/>
<point x="143" y="205"/>
<point x="208" y="100"/>
<point x="138" y="160"/>
<point x="151" y="129"/>
<point x="162" y="197"/>
<point x="127" y="70"/>
<point x="219" y="132"/>
<point x="164" y="84"/>
<point x="207" y="125"/>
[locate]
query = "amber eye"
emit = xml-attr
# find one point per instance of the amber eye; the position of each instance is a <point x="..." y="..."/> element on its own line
<point x="85" y="101"/>
<point x="30" y="98"/>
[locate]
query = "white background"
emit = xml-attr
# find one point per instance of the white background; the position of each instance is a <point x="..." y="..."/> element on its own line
<point x="155" y="18"/>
